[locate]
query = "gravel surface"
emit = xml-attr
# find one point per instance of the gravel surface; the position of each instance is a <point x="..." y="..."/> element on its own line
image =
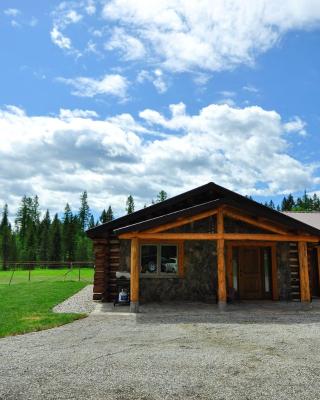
<point x="81" y="302"/>
<point x="169" y="352"/>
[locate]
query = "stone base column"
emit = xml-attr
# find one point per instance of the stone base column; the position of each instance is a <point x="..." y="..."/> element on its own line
<point x="134" y="306"/>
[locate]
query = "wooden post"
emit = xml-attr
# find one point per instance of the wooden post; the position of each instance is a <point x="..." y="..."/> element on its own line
<point x="222" y="289"/>
<point x="134" y="276"/>
<point x="304" y="272"/>
<point x="274" y="272"/>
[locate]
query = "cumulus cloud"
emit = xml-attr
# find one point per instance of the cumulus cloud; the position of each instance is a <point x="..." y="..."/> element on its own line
<point x="113" y="84"/>
<point x="156" y="77"/>
<point x="208" y="35"/>
<point x="65" y="113"/>
<point x="244" y="149"/>
<point x="59" y="39"/>
<point x="131" y="47"/>
<point x="64" y="15"/>
<point x="296" y="125"/>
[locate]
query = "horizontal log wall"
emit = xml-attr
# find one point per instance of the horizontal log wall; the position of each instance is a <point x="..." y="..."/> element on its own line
<point x="100" y="248"/>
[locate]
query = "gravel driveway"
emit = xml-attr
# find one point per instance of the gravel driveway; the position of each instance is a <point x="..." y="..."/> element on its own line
<point x="169" y="352"/>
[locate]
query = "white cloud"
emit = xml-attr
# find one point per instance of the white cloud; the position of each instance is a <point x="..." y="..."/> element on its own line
<point x="64" y="15"/>
<point x="57" y="157"/>
<point x="65" y="113"/>
<point x="90" y="7"/>
<point x="131" y="48"/>
<point x="12" y="12"/>
<point x="113" y="84"/>
<point x="251" y="89"/>
<point x="227" y="93"/>
<point x="296" y="125"/>
<point x="156" y="77"/>
<point x="59" y="39"/>
<point x="207" y="35"/>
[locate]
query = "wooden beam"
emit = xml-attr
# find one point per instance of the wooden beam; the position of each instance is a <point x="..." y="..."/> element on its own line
<point x="222" y="284"/>
<point x="250" y="243"/>
<point x="274" y="272"/>
<point x="181" y="222"/>
<point x="225" y="236"/>
<point x="220" y="221"/>
<point x="271" y="237"/>
<point x="222" y="290"/>
<point x="304" y="272"/>
<point x="267" y="226"/>
<point x="134" y="275"/>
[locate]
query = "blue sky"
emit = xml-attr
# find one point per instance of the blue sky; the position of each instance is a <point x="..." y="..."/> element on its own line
<point x="125" y="96"/>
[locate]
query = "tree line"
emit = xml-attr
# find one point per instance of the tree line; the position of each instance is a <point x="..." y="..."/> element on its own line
<point x="304" y="203"/>
<point x="41" y="237"/>
<point x="36" y="237"/>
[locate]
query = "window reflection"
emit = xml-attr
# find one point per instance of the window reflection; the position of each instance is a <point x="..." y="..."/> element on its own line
<point x="159" y="259"/>
<point x="149" y="259"/>
<point x="169" y="260"/>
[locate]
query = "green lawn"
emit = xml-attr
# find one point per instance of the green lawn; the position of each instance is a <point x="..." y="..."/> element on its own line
<point x="26" y="307"/>
<point x="53" y="275"/>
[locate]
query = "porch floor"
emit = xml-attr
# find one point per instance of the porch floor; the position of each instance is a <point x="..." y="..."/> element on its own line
<point x="246" y="309"/>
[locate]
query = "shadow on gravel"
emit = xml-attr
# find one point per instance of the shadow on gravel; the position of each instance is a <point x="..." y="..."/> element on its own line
<point x="241" y="313"/>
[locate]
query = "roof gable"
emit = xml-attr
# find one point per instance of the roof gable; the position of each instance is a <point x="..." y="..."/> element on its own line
<point x="184" y="203"/>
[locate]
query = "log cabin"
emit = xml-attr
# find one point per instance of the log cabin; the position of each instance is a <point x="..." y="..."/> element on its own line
<point x="208" y="244"/>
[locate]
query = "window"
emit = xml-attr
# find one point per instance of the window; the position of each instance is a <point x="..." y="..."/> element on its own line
<point x="159" y="259"/>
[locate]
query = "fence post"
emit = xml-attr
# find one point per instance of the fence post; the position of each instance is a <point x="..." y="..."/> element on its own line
<point x="29" y="273"/>
<point x="79" y="272"/>
<point x="11" y="277"/>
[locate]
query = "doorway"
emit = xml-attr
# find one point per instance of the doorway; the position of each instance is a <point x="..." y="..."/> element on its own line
<point x="254" y="272"/>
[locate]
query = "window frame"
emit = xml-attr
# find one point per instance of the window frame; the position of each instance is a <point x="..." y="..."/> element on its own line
<point x="158" y="274"/>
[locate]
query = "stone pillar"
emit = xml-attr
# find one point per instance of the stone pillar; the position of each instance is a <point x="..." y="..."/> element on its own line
<point x="100" y="248"/>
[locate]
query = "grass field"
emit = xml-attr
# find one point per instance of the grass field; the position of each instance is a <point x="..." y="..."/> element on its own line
<point x="48" y="275"/>
<point x="26" y="307"/>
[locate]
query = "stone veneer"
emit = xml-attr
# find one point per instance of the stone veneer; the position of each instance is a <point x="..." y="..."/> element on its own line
<point x="200" y="267"/>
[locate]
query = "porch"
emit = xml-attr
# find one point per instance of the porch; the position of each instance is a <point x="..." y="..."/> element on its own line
<point x="253" y="274"/>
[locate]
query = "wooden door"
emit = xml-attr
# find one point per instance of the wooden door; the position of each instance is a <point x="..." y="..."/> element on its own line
<point x="250" y="280"/>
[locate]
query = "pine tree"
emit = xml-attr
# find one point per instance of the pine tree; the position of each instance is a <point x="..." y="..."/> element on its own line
<point x="55" y="240"/>
<point x="162" y="195"/>
<point x="84" y="212"/>
<point x="91" y="222"/>
<point x="130" y="205"/>
<point x="271" y="205"/>
<point x="315" y="202"/>
<point x="5" y="235"/>
<point x="109" y="216"/>
<point x="23" y="218"/>
<point x="45" y="237"/>
<point x="103" y="217"/>
<point x="69" y="229"/>
<point x="106" y="216"/>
